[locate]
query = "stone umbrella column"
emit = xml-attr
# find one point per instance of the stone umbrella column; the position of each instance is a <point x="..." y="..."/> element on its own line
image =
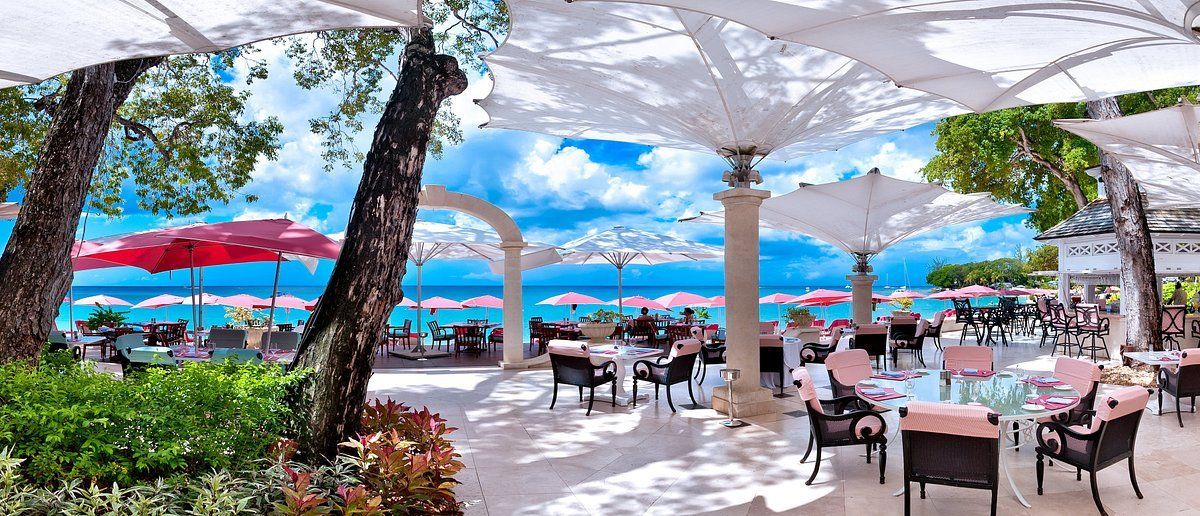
<point x="514" y="312"/>
<point x="748" y="398"/>
<point x="860" y="297"/>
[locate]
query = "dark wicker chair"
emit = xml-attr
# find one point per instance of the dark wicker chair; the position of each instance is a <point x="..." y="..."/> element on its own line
<point x="536" y="334"/>
<point x="678" y="332"/>
<point x="712" y="350"/>
<point x="468" y="338"/>
<point x="909" y="338"/>
<point x="816" y="352"/>
<point x="1062" y="327"/>
<point x="226" y="338"/>
<point x="1108" y="439"/>
<point x="1172" y="324"/>
<point x="872" y="338"/>
<point x="770" y="358"/>
<point x="669" y="370"/>
<point x="834" y="423"/>
<point x="439" y="335"/>
<point x="496" y="338"/>
<point x="1183" y="382"/>
<point x="572" y="365"/>
<point x="950" y="445"/>
<point x="934" y="331"/>
<point x="1089" y="325"/>
<point x="966" y="316"/>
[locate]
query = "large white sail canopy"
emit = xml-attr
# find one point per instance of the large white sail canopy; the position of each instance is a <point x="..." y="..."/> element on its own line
<point x="43" y="38"/>
<point x="676" y="78"/>
<point x="991" y="54"/>
<point x="867" y="214"/>
<point x="1160" y="148"/>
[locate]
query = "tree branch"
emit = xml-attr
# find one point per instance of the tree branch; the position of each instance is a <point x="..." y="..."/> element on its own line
<point x="1067" y="179"/>
<point x="473" y="25"/>
<point x="137" y="131"/>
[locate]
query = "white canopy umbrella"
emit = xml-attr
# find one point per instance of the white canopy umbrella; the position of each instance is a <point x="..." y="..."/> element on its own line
<point x="103" y="300"/>
<point x="867" y="214"/>
<point x="675" y="78"/>
<point x="43" y="39"/>
<point x="9" y="210"/>
<point x="622" y="246"/>
<point x="1158" y="147"/>
<point x="991" y="54"/>
<point x="433" y="240"/>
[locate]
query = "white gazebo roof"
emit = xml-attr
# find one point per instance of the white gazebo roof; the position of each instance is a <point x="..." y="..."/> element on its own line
<point x="676" y="78"/>
<point x="43" y="38"/>
<point x="1087" y="244"/>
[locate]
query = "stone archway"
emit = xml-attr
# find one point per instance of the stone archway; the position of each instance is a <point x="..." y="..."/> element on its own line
<point x="511" y="241"/>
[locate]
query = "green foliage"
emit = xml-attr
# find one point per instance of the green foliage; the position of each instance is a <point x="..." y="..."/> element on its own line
<point x="74" y="423"/>
<point x="1015" y="153"/>
<point x="106" y="317"/>
<point x="357" y="64"/>
<point x="182" y="140"/>
<point x="604" y="316"/>
<point x="702" y="313"/>
<point x="989" y="272"/>
<point x="801" y="317"/>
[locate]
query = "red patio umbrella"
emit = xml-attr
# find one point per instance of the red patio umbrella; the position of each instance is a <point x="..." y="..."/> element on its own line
<point x="221" y="243"/>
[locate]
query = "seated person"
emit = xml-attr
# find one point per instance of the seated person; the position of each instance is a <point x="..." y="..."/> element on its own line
<point x="689" y="315"/>
<point x="645" y="317"/>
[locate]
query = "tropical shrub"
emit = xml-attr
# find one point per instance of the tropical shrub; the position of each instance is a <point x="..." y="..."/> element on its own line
<point x="106" y="317"/>
<point x="241" y="316"/>
<point x="69" y="422"/>
<point x="801" y="317"/>
<point x="604" y="316"/>
<point x="903" y="303"/>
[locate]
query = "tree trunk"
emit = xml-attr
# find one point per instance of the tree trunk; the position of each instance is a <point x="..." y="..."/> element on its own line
<point x="35" y="270"/>
<point x="1139" y="300"/>
<point x="340" y="340"/>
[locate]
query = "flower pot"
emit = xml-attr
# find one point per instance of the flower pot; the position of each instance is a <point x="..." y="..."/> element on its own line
<point x="597" y="332"/>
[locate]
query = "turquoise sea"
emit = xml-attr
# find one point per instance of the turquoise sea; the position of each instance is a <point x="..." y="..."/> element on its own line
<point x="532" y="294"/>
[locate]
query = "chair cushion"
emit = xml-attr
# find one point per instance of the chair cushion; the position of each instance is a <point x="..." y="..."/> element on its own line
<point x="951" y="419"/>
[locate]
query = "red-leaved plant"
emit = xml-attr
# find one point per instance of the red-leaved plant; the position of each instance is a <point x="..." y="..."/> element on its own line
<point x="403" y="463"/>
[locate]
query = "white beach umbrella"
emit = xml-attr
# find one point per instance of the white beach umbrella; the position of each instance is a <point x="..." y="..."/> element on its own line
<point x="675" y="78"/>
<point x="9" y="210"/>
<point x="43" y="39"/>
<point x="1160" y="149"/>
<point x="867" y="214"/>
<point x="622" y="246"/>
<point x="103" y="300"/>
<point x="991" y="54"/>
<point x="433" y="240"/>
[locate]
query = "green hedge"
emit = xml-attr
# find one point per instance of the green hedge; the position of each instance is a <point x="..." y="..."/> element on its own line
<point x="73" y="423"/>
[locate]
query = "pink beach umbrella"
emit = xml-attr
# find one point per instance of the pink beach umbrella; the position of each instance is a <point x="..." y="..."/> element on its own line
<point x="570" y="299"/>
<point x="945" y="295"/>
<point x="312" y="305"/>
<point x="714" y="302"/>
<point x="778" y="299"/>
<point x="103" y="300"/>
<point x="439" y="303"/>
<point x="977" y="291"/>
<point x="1014" y="292"/>
<point x="681" y="299"/>
<point x="639" y="302"/>
<point x="161" y="301"/>
<point x="484" y="302"/>
<point x="287" y="302"/>
<point x="241" y="301"/>
<point x="821" y="295"/>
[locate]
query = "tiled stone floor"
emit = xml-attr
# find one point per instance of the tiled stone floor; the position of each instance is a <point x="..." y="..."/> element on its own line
<point x="525" y="459"/>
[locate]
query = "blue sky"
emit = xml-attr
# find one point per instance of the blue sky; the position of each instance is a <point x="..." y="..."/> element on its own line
<point x="560" y="189"/>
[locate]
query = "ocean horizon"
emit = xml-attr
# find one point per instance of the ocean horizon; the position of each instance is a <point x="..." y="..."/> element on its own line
<point x="215" y="315"/>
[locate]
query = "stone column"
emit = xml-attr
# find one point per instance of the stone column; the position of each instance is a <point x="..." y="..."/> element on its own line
<point x="1064" y="290"/>
<point x="748" y="398"/>
<point x="514" y="307"/>
<point x="860" y="297"/>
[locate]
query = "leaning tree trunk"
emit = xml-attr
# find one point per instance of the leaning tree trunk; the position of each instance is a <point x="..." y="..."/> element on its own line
<point x="341" y="337"/>
<point x="35" y="270"/>
<point x="1139" y="295"/>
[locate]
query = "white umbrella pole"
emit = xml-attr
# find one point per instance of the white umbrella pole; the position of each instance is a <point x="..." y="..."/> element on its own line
<point x="200" y="307"/>
<point x="420" y="340"/>
<point x="620" y="300"/>
<point x="274" y="294"/>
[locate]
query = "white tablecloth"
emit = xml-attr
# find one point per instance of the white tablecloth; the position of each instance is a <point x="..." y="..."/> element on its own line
<point x="791" y="358"/>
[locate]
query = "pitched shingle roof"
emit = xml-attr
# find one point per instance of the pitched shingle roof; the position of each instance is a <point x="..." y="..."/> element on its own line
<point x="1096" y="219"/>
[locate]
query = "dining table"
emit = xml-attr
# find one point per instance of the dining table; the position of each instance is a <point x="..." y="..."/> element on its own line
<point x="1156" y="359"/>
<point x="1018" y="399"/>
<point x="624" y="356"/>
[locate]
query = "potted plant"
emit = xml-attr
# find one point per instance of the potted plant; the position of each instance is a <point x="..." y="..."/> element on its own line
<point x="603" y="323"/>
<point x="904" y="306"/>
<point x="105" y="318"/>
<point x="800" y="321"/>
<point x="240" y="316"/>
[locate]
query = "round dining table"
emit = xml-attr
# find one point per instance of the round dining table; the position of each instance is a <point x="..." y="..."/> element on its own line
<point x="1007" y="393"/>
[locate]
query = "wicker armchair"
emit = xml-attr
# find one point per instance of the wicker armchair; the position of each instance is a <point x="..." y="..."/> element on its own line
<point x="669" y="370"/>
<point x="871" y="338"/>
<point x="1183" y="382"/>
<point x="1108" y="439"/>
<point x="226" y="338"/>
<point x="571" y="364"/>
<point x="910" y="338"/>
<point x="840" y="426"/>
<point x="817" y="352"/>
<point x="712" y="349"/>
<point x="1172" y="324"/>
<point x="966" y="316"/>
<point x="950" y="445"/>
